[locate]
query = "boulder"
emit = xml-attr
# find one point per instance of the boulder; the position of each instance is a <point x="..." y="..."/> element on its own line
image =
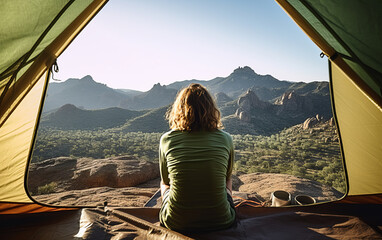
<point x="263" y="184"/>
<point x="113" y="172"/>
<point x="309" y="123"/>
<point x="331" y="122"/>
<point x="83" y="173"/>
<point x="243" y="115"/>
<point x="59" y="169"/>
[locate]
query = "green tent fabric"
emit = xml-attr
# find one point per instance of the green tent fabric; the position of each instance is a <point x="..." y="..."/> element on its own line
<point x="34" y="33"/>
<point x="350" y="28"/>
<point x="348" y="32"/>
<point x="30" y="45"/>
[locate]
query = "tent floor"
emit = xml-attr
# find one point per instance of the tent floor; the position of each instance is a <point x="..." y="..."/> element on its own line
<point x="324" y="221"/>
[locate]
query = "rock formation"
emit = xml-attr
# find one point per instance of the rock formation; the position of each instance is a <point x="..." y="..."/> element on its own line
<point x="255" y="186"/>
<point x="331" y="121"/>
<point x="247" y="103"/>
<point x="311" y="122"/>
<point x="263" y="184"/>
<point x="83" y="173"/>
<point x="292" y="102"/>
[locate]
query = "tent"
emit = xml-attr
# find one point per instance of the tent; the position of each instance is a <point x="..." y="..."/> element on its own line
<point x="349" y="32"/>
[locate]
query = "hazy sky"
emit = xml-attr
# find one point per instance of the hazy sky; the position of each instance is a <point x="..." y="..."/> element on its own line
<point x="136" y="43"/>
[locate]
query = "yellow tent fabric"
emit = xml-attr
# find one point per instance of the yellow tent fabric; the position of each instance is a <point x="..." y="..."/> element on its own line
<point x="16" y="137"/>
<point x="24" y="79"/>
<point x="360" y="125"/>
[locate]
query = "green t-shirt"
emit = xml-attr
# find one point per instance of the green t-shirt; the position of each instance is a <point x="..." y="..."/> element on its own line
<point x="196" y="165"/>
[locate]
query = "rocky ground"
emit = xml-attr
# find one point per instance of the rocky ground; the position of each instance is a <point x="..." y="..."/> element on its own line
<point x="126" y="181"/>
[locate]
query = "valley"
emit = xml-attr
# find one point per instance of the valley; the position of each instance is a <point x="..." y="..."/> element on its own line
<point x="278" y="127"/>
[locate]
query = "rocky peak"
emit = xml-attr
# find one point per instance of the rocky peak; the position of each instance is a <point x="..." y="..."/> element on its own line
<point x="250" y="100"/>
<point x="87" y="78"/>
<point x="246" y="103"/>
<point x="158" y="88"/>
<point x="244" y="71"/>
<point x="287" y="98"/>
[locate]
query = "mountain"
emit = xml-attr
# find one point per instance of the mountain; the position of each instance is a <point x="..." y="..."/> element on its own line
<point x="320" y="88"/>
<point x="242" y="79"/>
<point x="88" y="94"/>
<point x="266" y="87"/>
<point x="181" y="84"/>
<point x="83" y="93"/>
<point x="246" y="115"/>
<point x="222" y="98"/>
<point x="152" y="121"/>
<point x="157" y="96"/>
<point x="301" y="88"/>
<point x="250" y="115"/>
<point x="264" y="105"/>
<point x="69" y="117"/>
<point x="237" y="83"/>
<point x="129" y="92"/>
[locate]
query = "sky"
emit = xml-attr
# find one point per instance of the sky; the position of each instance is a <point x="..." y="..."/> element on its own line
<point x="135" y="44"/>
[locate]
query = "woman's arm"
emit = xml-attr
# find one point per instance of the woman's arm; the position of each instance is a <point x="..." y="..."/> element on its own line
<point x="165" y="181"/>
<point x="163" y="187"/>
<point x="229" y="185"/>
<point x="230" y="168"/>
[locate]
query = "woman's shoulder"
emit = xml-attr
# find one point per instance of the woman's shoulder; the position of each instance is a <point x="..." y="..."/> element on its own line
<point x="224" y="133"/>
<point x="178" y="133"/>
<point x="169" y="134"/>
<point x="222" y="136"/>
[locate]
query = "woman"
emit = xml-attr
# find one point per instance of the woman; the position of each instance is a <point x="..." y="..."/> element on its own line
<point x="196" y="160"/>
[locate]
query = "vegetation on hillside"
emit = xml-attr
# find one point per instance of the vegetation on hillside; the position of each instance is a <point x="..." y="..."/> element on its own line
<point x="260" y="112"/>
<point x="53" y="143"/>
<point x="312" y="153"/>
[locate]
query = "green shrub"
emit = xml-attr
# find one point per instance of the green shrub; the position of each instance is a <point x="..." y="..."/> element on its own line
<point x="47" y="188"/>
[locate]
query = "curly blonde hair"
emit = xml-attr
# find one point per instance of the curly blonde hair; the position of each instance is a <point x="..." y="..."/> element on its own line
<point x="194" y="109"/>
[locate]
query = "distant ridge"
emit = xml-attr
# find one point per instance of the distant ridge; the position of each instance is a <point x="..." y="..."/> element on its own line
<point x="249" y="103"/>
<point x="158" y="96"/>
<point x="237" y="83"/>
<point x="69" y="117"/>
<point x="84" y="93"/>
<point x="129" y="92"/>
<point x="152" y="121"/>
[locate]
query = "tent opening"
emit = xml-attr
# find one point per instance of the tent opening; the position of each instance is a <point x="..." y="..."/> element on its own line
<point x="104" y="111"/>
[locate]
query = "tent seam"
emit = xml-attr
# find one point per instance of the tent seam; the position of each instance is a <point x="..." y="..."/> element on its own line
<point x="338" y="129"/>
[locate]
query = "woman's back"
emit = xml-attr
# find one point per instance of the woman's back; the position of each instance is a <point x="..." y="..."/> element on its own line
<point x="195" y="161"/>
<point x="196" y="166"/>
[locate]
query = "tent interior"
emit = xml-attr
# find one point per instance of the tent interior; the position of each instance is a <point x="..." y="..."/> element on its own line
<point x="347" y="32"/>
